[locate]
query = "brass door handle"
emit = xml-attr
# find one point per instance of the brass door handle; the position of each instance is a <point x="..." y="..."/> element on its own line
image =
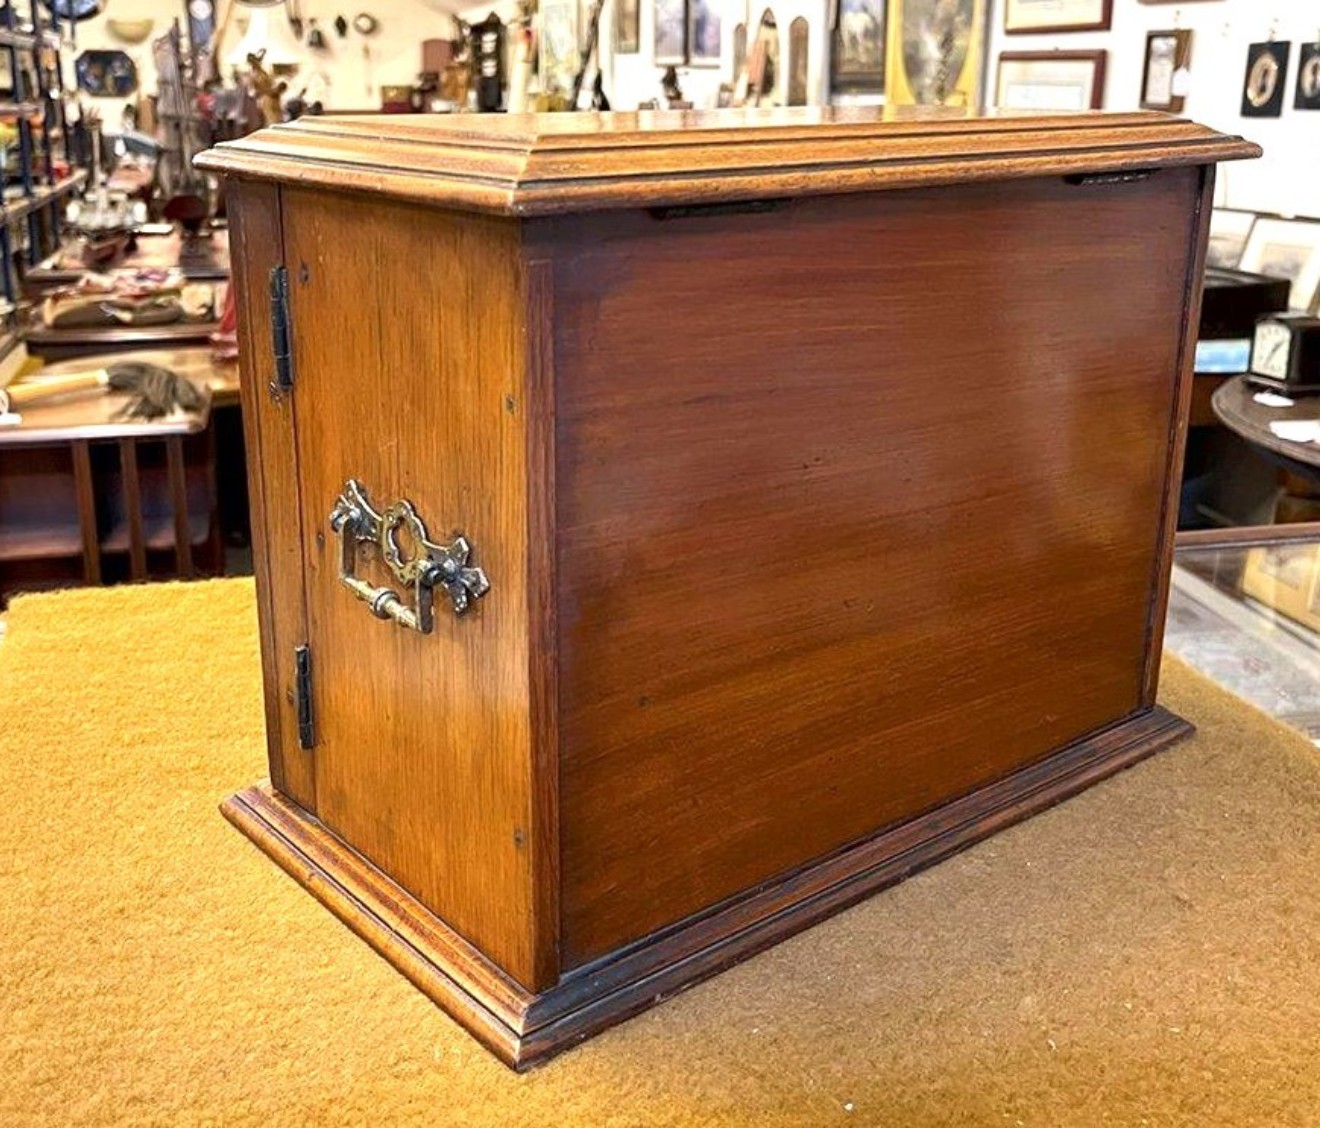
<point x="431" y="565"/>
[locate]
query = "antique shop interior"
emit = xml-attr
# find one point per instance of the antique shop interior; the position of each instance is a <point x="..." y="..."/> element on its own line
<point x="152" y="336"/>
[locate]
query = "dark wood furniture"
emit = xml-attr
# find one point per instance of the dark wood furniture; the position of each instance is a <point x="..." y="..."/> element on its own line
<point x="1236" y="407"/>
<point x="66" y="344"/>
<point x="86" y="498"/>
<point x="767" y="430"/>
<point x="202" y="260"/>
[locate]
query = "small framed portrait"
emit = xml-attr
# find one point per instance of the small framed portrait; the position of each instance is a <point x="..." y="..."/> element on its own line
<point x="703" y="33"/>
<point x="1308" y="78"/>
<point x="627" y="27"/>
<point x="1164" y="77"/>
<point x="1051" y="80"/>
<point x="1229" y="232"/>
<point x="670" y="33"/>
<point x="1024" y="17"/>
<point x="1286" y="248"/>
<point x="1266" y="79"/>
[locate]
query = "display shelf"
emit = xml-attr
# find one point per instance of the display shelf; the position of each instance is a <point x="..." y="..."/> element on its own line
<point x="40" y="541"/>
<point x="16" y="207"/>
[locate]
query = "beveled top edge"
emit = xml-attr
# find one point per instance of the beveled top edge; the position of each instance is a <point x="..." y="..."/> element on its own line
<point x="531" y="164"/>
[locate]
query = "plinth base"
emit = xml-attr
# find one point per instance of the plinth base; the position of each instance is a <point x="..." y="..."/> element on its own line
<point x="523" y="1028"/>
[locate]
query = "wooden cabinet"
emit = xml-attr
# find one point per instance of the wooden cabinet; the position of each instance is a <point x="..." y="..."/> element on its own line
<point x="823" y="471"/>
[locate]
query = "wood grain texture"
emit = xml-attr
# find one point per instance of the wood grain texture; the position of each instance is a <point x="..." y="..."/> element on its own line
<point x="542" y="604"/>
<point x="268" y="426"/>
<point x="524" y="1029"/>
<point x="1197" y="236"/>
<point x="85" y="492"/>
<point x="424" y="750"/>
<point x="542" y="164"/>
<point x="872" y="518"/>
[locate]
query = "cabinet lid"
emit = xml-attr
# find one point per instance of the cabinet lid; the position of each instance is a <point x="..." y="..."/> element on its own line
<point x="544" y="164"/>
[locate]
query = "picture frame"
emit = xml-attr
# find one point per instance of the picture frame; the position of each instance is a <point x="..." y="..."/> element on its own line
<point x="1266" y="78"/>
<point x="935" y="53"/>
<point x="1229" y="231"/>
<point x="1029" y="17"/>
<point x="558" y="46"/>
<point x="1051" y="80"/>
<point x="857" y="59"/>
<point x="627" y="27"/>
<point x="670" y="24"/>
<point x="1287" y="248"/>
<point x="703" y="33"/>
<point x="1168" y="54"/>
<point x="1307" y="96"/>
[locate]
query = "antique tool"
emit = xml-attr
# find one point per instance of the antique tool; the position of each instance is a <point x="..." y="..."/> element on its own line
<point x="156" y="391"/>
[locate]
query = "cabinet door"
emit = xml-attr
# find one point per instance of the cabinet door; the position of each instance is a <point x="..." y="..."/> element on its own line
<point x="407" y="365"/>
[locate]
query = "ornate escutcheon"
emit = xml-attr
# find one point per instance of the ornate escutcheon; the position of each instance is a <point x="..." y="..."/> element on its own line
<point x="430" y="565"/>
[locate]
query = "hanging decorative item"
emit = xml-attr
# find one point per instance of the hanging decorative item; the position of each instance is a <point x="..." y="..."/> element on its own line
<point x="130" y="31"/>
<point x="857" y="62"/>
<point x="1168" y="55"/>
<point x="934" y="52"/>
<point x="1308" y="78"/>
<point x="106" y="74"/>
<point x="670" y="42"/>
<point x="341" y="27"/>
<point x="703" y="33"/>
<point x="1267" y="76"/>
<point x="627" y="27"/>
<point x="75" y="9"/>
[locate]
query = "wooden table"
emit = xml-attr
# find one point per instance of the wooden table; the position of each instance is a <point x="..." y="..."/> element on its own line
<point x="67" y="503"/>
<point x="197" y="364"/>
<point x="1235" y="406"/>
<point x="162" y="252"/>
<point x="65" y="344"/>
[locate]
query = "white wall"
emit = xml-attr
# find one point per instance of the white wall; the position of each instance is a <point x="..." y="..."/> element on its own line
<point x="1287" y="178"/>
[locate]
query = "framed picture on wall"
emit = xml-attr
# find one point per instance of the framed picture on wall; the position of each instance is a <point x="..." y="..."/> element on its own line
<point x="703" y="33"/>
<point x="934" y="52"/>
<point x="1051" y="80"/>
<point x="1308" y="78"/>
<point x="857" y="62"/>
<point x="627" y="27"/>
<point x="1229" y="232"/>
<point x="1023" y="17"/>
<point x="558" y="47"/>
<point x="1164" y="76"/>
<point x="1267" y="75"/>
<point x="1287" y="248"/>
<point x="670" y="33"/>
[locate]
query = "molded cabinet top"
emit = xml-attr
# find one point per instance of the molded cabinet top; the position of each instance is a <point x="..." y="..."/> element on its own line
<point x="544" y="164"/>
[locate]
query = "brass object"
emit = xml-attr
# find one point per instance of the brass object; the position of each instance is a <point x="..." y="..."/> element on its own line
<point x="431" y="565"/>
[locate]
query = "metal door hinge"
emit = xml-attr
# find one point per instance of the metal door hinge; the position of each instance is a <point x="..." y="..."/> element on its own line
<point x="281" y="346"/>
<point x="302" y="695"/>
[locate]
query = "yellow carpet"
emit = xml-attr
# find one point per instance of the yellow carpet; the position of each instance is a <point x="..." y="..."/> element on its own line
<point x="1146" y="954"/>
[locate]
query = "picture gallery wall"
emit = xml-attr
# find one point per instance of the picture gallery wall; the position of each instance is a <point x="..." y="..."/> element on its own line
<point x="1241" y="66"/>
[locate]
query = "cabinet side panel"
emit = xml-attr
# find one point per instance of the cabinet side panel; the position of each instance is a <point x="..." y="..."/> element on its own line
<point x="268" y="425"/>
<point x="410" y="356"/>
<point x="860" y="506"/>
<point x="1179" y="422"/>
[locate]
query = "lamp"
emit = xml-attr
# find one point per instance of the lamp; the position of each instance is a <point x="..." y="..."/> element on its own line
<point x="274" y="36"/>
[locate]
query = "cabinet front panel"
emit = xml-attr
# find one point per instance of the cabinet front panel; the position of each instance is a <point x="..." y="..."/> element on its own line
<point x="860" y="505"/>
<point x="407" y="374"/>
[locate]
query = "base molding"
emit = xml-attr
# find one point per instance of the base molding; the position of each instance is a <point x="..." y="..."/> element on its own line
<point x="523" y="1028"/>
